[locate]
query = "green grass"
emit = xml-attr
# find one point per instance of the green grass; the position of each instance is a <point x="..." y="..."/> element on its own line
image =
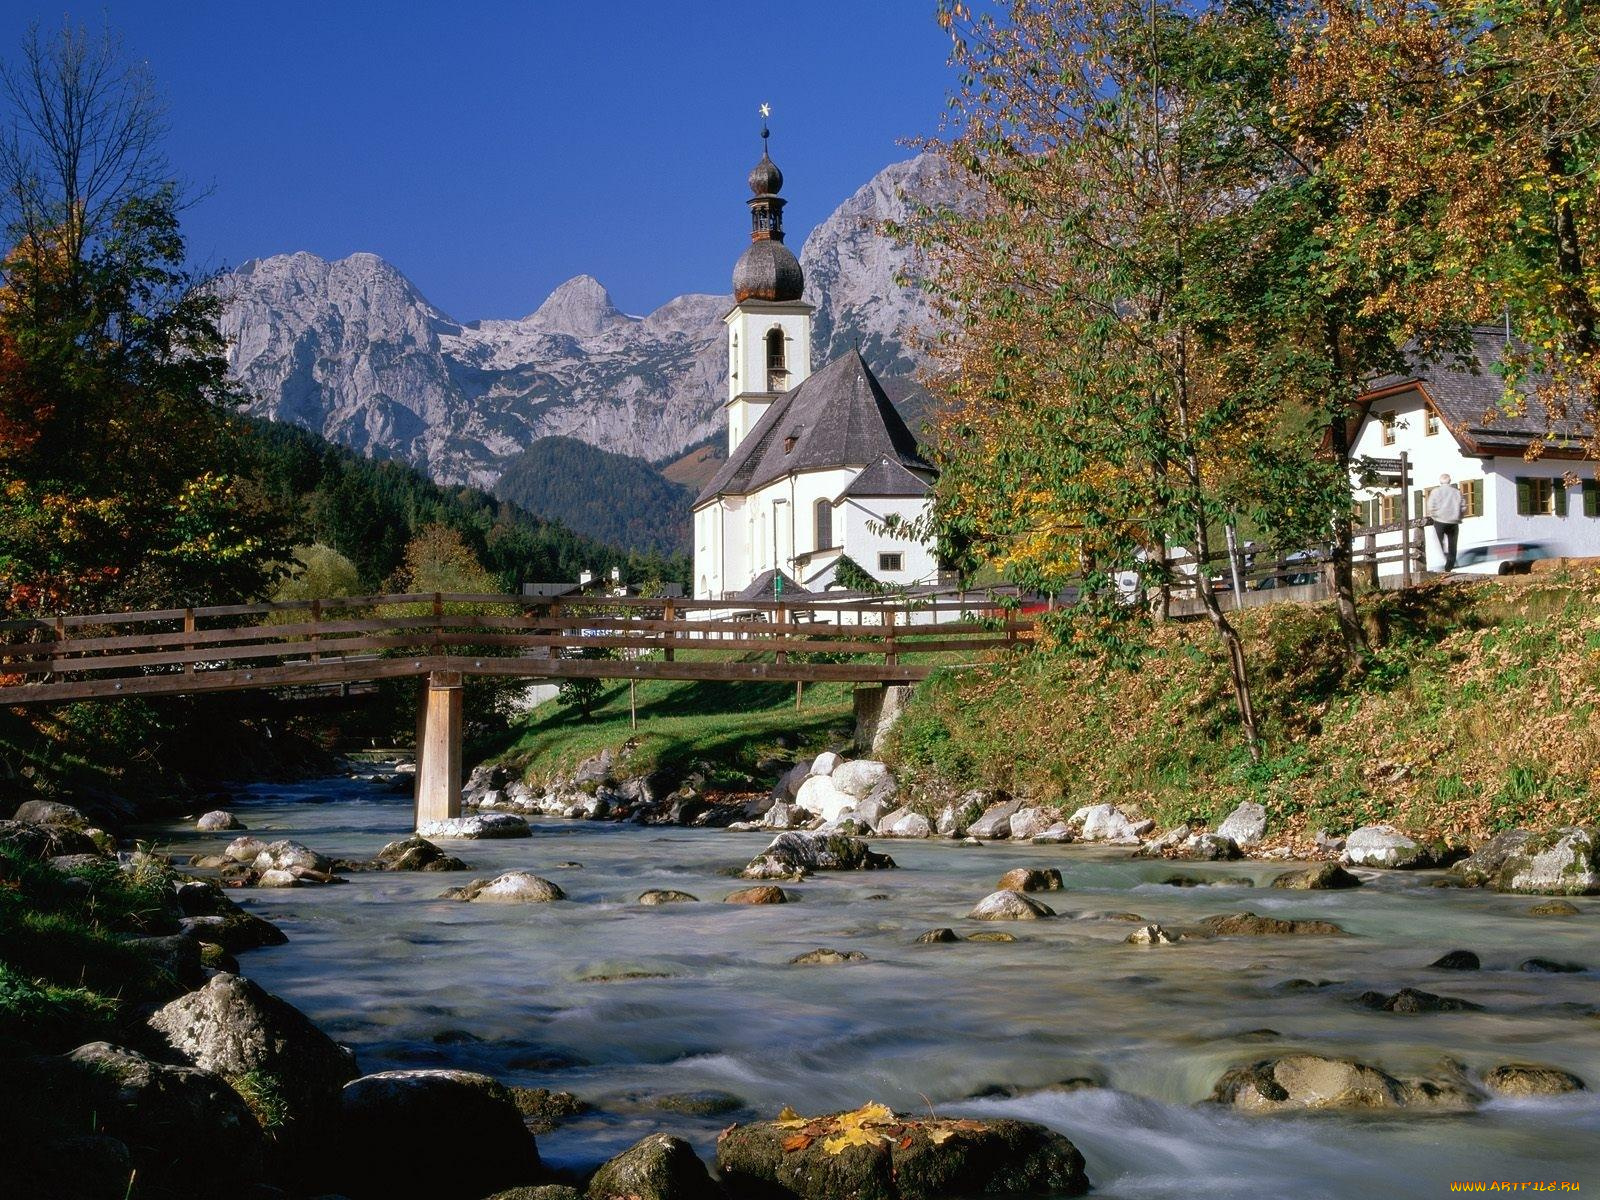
<point x="680" y="722"/>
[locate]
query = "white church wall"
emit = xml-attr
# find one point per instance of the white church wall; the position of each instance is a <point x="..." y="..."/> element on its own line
<point x="864" y="544"/>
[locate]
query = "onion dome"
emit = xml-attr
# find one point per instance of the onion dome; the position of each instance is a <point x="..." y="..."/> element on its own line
<point x="765" y="178"/>
<point x="768" y="270"/>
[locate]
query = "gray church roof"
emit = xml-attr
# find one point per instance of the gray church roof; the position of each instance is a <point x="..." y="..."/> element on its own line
<point x="886" y="479"/>
<point x="760" y="588"/>
<point x="1469" y="397"/>
<point x="838" y="417"/>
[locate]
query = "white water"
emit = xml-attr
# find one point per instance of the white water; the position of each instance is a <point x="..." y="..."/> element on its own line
<point x="409" y="980"/>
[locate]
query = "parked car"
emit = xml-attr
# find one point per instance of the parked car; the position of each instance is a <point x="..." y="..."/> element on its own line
<point x="1294" y="572"/>
<point x="1500" y="558"/>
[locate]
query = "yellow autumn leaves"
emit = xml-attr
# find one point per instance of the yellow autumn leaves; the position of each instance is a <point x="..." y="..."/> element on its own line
<point x="870" y="1125"/>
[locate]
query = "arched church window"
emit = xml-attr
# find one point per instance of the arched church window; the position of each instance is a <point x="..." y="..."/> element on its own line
<point x="733" y="357"/>
<point x="777" y="361"/>
<point x="824" y="525"/>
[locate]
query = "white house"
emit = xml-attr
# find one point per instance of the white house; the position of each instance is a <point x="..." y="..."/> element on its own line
<point x="1449" y="419"/>
<point x="816" y="461"/>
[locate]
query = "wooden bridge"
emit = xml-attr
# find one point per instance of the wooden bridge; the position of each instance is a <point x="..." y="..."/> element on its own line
<point x="443" y="638"/>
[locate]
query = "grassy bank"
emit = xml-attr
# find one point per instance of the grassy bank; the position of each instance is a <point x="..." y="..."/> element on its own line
<point x="731" y="726"/>
<point x="1478" y="712"/>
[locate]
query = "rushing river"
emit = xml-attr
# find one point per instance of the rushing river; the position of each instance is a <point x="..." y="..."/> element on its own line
<point x="541" y="995"/>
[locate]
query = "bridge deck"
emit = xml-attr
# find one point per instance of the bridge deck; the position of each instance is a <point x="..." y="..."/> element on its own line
<point x="360" y="638"/>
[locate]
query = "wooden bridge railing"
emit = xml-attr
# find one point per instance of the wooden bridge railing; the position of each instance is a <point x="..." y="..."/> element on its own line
<point x="341" y="639"/>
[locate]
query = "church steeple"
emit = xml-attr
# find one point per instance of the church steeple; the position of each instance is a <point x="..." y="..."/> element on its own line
<point x="769" y="327"/>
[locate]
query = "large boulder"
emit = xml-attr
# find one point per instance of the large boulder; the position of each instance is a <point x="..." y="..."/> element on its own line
<point x="819" y="795"/>
<point x="1482" y="866"/>
<point x="1386" y="846"/>
<point x="785" y="816"/>
<point x="765" y="894"/>
<point x="1531" y="1079"/>
<point x="825" y="763"/>
<point x="42" y="841"/>
<point x="796" y="855"/>
<point x="185" y="1129"/>
<point x="1249" y="924"/>
<point x="903" y="823"/>
<point x="1031" y="879"/>
<point x="513" y="887"/>
<point x="1108" y="823"/>
<point x="1565" y="862"/>
<point x="234" y="1027"/>
<point x="1325" y="876"/>
<point x="211" y="916"/>
<point x="870" y="813"/>
<point x="1029" y="823"/>
<point x="1297" y="1082"/>
<point x="480" y="825"/>
<point x="1414" y="1000"/>
<point x="859" y="778"/>
<point x="287" y="855"/>
<point x="995" y="821"/>
<point x="244" y="849"/>
<point x="658" y="1168"/>
<point x="448" y="1135"/>
<point x="872" y="1154"/>
<point x="1246" y="824"/>
<point x="1006" y="905"/>
<point x="50" y="812"/>
<point x="217" y="820"/>
<point x="415" y="853"/>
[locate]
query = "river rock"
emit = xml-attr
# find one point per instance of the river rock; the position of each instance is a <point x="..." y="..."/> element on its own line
<point x="825" y="763"/>
<point x="1205" y="847"/>
<point x="873" y="811"/>
<point x="1456" y="960"/>
<point x="1310" y="1081"/>
<point x="1531" y="1079"/>
<point x="42" y="842"/>
<point x="784" y="816"/>
<point x="903" y="823"/>
<point x="658" y="1168"/>
<point x="50" y="812"/>
<point x="1029" y="823"/>
<point x="1550" y="966"/>
<point x="1246" y="824"/>
<point x="277" y="878"/>
<point x="1413" y="1000"/>
<point x="788" y="787"/>
<point x="766" y="894"/>
<point x="996" y="821"/>
<point x="1554" y="908"/>
<point x="859" y="778"/>
<point x="1057" y="833"/>
<point x="218" y="819"/>
<point x="934" y="936"/>
<point x="819" y="795"/>
<point x="211" y="916"/>
<point x="1249" y="924"/>
<point x="1565" y="862"/>
<point x="1386" y="846"/>
<point x="245" y="849"/>
<point x="1006" y="905"/>
<point x="796" y="855"/>
<point x="896" y="1159"/>
<point x="542" y="1109"/>
<point x="286" y="855"/>
<point x="184" y="1128"/>
<point x="991" y="935"/>
<point x="1031" y="879"/>
<point x="1108" y="823"/>
<point x="1482" y="867"/>
<point x="512" y="887"/>
<point x="667" y="896"/>
<point x="391" y="1119"/>
<point x="1150" y="935"/>
<point x="415" y="853"/>
<point x="234" y="1027"/>
<point x="1320" y="877"/>
<point x="824" y="957"/>
<point x="958" y="814"/>
<point x="480" y="825"/>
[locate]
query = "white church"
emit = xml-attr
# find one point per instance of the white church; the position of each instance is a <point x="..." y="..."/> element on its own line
<point x="816" y="461"/>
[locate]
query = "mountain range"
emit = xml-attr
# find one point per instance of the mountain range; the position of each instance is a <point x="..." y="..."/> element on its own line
<point x="353" y="350"/>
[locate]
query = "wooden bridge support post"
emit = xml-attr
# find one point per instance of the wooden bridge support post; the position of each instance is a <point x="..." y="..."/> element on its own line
<point x="439" y="724"/>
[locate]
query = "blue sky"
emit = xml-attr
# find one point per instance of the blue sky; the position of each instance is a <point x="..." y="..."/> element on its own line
<point x="492" y="150"/>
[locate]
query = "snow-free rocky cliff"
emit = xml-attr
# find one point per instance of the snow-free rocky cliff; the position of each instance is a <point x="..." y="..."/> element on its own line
<point x="353" y="350"/>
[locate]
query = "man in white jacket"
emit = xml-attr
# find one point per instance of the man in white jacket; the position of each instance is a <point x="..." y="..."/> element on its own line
<point x="1444" y="510"/>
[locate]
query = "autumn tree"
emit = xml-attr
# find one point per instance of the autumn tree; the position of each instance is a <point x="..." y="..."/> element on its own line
<point x="1102" y="408"/>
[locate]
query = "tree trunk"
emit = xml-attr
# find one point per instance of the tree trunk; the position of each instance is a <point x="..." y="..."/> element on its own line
<point x="1341" y="558"/>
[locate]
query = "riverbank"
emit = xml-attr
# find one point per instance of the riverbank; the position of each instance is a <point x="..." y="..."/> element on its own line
<point x="1477" y="714"/>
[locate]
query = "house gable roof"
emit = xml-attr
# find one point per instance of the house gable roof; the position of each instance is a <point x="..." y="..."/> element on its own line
<point x="838" y="417"/>
<point x="1469" y="396"/>
<point x="760" y="588"/>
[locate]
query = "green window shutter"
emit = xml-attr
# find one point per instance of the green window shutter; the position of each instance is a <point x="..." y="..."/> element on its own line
<point x="1524" y="496"/>
<point x="1559" y="487"/>
<point x="1477" y="497"/>
<point x="1591" y="498"/>
<point x="1418" y="499"/>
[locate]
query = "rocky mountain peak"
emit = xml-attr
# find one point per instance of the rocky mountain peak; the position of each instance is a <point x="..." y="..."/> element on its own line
<point x="580" y="307"/>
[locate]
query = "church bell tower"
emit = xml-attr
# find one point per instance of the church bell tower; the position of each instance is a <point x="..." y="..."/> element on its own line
<point x="769" y="326"/>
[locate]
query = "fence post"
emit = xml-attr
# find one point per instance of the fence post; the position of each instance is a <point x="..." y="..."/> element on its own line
<point x="316" y="616"/>
<point x="781" y="631"/>
<point x="188" y="627"/>
<point x="61" y="636"/>
<point x="669" y="612"/>
<point x="890" y="658"/>
<point x="438" y="623"/>
<point x="1405" y="519"/>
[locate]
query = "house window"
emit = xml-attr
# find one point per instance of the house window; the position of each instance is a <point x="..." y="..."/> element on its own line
<point x="1388" y="504"/>
<point x="1430" y="423"/>
<point x="1386" y="420"/>
<point x="777" y="362"/>
<point x="824" y="525"/>
<point x="1591" y="498"/>
<point x="890" y="562"/>
<point x="1471" y="497"/>
<point x="1541" y="497"/>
